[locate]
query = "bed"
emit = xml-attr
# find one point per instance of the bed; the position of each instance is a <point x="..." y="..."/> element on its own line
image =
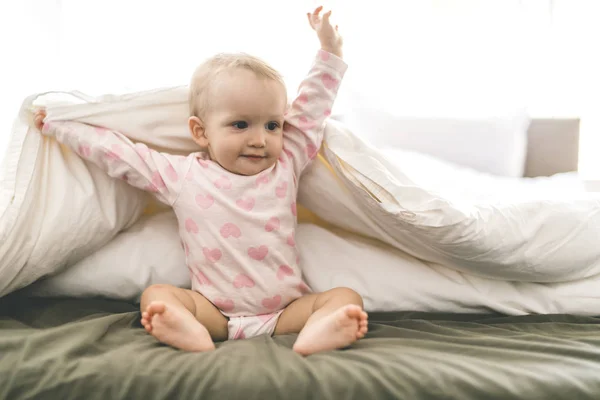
<point x="95" y="348"/>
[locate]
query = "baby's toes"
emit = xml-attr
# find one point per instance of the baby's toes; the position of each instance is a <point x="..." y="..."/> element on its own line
<point x="147" y="326"/>
<point x="155" y="308"/>
<point x="353" y="311"/>
<point x="363" y="329"/>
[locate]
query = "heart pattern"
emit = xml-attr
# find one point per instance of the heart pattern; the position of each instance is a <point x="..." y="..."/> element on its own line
<point x="246" y="203"/>
<point x="329" y="81"/>
<point x="272" y="224"/>
<point x="115" y="153"/>
<point x="283" y="271"/>
<point x="226" y="305"/>
<point x="100" y="131"/>
<point x="157" y="181"/>
<point x="327" y="112"/>
<point x="151" y="188"/>
<point x="281" y="190"/>
<point x="205" y="201"/>
<point x="306" y="124"/>
<point x="311" y="150"/>
<point x="230" y="229"/>
<point x="243" y="280"/>
<point x="84" y="150"/>
<point x="271" y="302"/>
<point x="263" y="179"/>
<point x="290" y="240"/>
<point x="283" y="162"/>
<point x="223" y="183"/>
<point x="258" y="253"/>
<point x="324" y="55"/>
<point x="212" y="255"/>
<point x="171" y="173"/>
<point x="203" y="163"/>
<point x="289" y="153"/>
<point x="302" y="99"/>
<point x="294" y="209"/>
<point x="142" y="149"/>
<point x="191" y="226"/>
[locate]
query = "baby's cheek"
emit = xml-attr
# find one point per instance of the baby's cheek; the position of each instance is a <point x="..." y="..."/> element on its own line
<point x="276" y="147"/>
<point x="226" y="150"/>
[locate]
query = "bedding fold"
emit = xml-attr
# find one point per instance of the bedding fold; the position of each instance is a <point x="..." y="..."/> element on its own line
<point x="70" y="209"/>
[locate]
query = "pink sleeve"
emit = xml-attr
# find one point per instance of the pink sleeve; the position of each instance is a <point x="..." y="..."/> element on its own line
<point x="159" y="173"/>
<point x="305" y="120"/>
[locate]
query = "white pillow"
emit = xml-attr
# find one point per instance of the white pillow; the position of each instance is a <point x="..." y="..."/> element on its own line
<point x="495" y="144"/>
<point x="461" y="184"/>
<point x="390" y="280"/>
<point x="149" y="252"/>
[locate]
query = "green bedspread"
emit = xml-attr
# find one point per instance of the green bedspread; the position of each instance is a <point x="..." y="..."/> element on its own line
<point x="96" y="349"/>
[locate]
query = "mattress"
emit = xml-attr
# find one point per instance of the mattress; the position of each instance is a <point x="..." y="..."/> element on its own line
<point x="95" y="348"/>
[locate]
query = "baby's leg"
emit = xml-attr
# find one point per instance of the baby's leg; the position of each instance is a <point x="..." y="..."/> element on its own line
<point x="182" y="318"/>
<point x="326" y="321"/>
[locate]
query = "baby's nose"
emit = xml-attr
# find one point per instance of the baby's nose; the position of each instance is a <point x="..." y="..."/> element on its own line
<point x="257" y="138"/>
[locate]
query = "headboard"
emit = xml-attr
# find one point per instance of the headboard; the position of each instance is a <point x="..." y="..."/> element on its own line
<point x="553" y="146"/>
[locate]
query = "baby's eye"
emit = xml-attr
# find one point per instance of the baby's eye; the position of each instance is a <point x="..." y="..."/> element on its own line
<point x="240" y="124"/>
<point x="271" y="126"/>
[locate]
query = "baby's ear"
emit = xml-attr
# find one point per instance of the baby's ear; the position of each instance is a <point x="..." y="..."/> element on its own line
<point x="198" y="132"/>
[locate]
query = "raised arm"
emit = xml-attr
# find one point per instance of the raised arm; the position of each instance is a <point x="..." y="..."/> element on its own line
<point x="159" y="173"/>
<point x="305" y="120"/>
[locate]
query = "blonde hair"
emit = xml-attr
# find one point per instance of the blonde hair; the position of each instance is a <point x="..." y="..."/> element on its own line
<point x="209" y="70"/>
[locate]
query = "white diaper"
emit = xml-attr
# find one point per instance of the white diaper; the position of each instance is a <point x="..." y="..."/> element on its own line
<point x="252" y="325"/>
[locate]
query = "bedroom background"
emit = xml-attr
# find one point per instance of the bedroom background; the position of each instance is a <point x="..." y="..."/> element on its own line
<point x="428" y="58"/>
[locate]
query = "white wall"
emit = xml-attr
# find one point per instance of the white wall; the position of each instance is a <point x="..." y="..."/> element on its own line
<point x="426" y="57"/>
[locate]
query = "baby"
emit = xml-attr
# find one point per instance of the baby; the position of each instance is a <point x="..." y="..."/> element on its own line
<point x="236" y="203"/>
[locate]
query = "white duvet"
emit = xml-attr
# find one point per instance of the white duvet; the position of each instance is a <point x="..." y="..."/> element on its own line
<point x="57" y="210"/>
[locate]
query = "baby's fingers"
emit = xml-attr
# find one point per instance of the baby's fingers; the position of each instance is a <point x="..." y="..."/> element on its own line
<point x="314" y="18"/>
<point x="317" y="11"/>
<point x="38" y="119"/>
<point x="326" y="17"/>
<point x="310" y="21"/>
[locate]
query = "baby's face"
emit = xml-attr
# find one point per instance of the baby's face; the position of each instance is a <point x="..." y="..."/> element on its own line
<point x="244" y="122"/>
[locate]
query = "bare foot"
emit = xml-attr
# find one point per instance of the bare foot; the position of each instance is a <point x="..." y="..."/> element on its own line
<point x="339" y="329"/>
<point x="176" y="327"/>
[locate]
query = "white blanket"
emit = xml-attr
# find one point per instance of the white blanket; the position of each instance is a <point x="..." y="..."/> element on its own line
<point x="56" y="209"/>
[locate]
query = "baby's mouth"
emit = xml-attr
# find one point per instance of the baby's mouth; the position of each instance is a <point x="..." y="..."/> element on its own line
<point x="254" y="157"/>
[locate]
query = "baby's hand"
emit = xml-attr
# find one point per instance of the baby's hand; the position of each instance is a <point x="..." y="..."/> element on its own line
<point x="330" y="39"/>
<point x="38" y="119"/>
